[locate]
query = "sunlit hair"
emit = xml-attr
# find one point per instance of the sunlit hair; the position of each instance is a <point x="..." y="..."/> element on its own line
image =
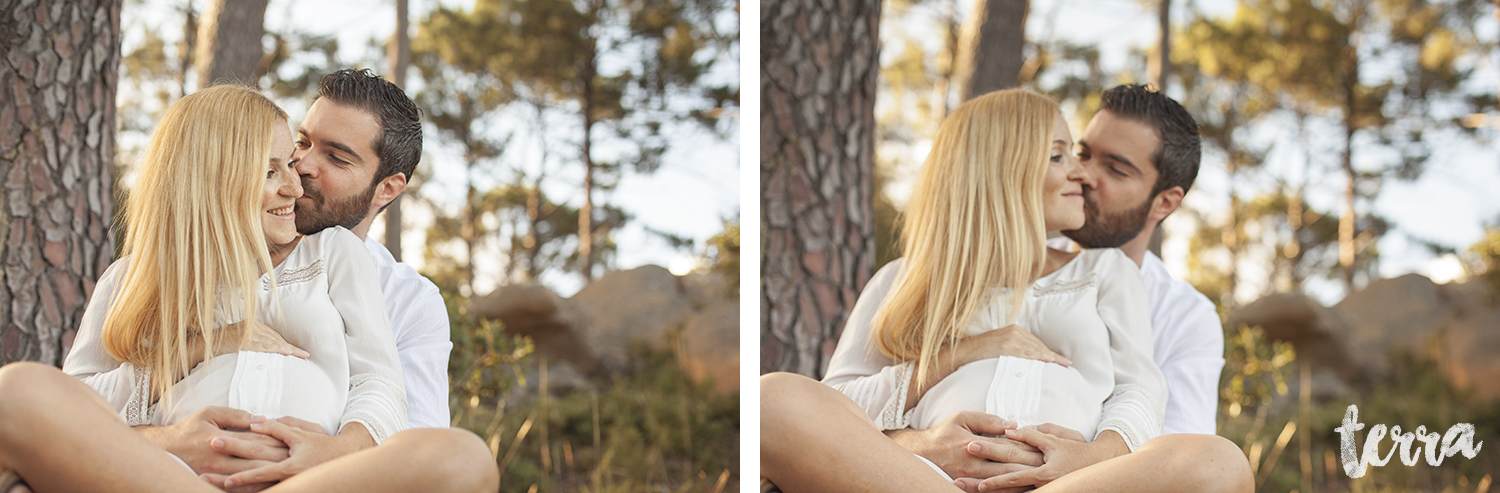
<point x="972" y="225"/>
<point x="194" y="236"/>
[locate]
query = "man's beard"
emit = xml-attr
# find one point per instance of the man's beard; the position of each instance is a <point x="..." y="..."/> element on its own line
<point x="346" y="212"/>
<point x="1105" y="230"/>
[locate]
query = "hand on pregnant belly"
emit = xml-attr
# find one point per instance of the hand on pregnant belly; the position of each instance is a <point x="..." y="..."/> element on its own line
<point x="262" y="339"/>
<point x="1011" y="340"/>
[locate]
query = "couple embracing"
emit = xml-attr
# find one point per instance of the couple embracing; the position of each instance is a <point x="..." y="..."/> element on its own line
<point x="250" y="338"/>
<point x="991" y="359"/>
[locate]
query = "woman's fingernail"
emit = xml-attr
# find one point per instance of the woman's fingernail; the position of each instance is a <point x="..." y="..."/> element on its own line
<point x="974" y="447"/>
<point x="218" y="443"/>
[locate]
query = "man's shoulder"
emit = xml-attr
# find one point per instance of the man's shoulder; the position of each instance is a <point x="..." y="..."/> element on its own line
<point x="1177" y="307"/>
<point x="405" y="280"/>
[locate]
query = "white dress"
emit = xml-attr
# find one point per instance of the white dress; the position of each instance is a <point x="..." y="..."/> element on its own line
<point x="330" y="306"/>
<point x="1092" y="311"/>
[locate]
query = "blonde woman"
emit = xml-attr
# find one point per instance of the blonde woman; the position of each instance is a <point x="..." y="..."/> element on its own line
<point x="974" y="312"/>
<point x="212" y="257"/>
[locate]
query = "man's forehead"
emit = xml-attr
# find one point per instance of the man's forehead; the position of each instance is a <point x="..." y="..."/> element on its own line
<point x="1109" y="132"/>
<point x="327" y="119"/>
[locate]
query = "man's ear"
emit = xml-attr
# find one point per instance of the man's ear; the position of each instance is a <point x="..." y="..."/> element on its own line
<point x="388" y="189"/>
<point x="1165" y="203"/>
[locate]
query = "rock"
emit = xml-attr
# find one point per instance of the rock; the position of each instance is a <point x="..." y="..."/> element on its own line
<point x="710" y="346"/>
<point x="640" y="304"/>
<point x="705" y="289"/>
<point x="1392" y="313"/>
<point x="1455" y="324"/>
<point x="1313" y="329"/>
<point x="591" y="333"/>
<point x="549" y="320"/>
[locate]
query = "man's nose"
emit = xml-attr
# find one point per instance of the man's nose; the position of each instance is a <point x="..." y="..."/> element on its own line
<point x="1086" y="175"/>
<point x="306" y="166"/>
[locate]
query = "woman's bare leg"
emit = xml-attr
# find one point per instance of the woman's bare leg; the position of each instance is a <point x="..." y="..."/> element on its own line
<point x="813" y="438"/>
<point x="60" y="435"/>
<point x="1196" y="463"/>
<point x="425" y="459"/>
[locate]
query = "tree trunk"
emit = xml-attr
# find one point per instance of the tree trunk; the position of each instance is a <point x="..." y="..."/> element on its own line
<point x="1347" y="218"/>
<point x="229" y="48"/>
<point x="57" y="148"/>
<point x="991" y="54"/>
<point x="586" y="212"/>
<point x="819" y="63"/>
<point x="1161" y="66"/>
<point x="186" y="46"/>
<point x="400" y="58"/>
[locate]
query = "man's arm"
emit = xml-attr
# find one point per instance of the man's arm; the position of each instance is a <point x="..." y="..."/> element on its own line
<point x="423" y="344"/>
<point x="1192" y="365"/>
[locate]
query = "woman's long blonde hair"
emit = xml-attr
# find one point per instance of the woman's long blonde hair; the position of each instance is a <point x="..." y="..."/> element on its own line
<point x="194" y="235"/>
<point x="973" y="224"/>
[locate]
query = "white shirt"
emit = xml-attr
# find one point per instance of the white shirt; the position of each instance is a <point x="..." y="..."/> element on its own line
<point x="329" y="305"/>
<point x="419" y="320"/>
<point x="1092" y="311"/>
<point x="1188" y="341"/>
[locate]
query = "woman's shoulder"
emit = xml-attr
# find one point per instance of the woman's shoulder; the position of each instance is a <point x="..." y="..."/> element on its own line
<point x="333" y="239"/>
<point x="1090" y="263"/>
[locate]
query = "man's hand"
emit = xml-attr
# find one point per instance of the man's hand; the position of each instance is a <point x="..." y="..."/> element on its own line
<point x="1061" y="454"/>
<point x="949" y="443"/>
<point x="309" y="446"/>
<point x="214" y="441"/>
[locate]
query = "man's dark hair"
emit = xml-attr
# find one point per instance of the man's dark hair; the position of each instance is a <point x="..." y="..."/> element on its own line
<point x="1176" y="157"/>
<point x="399" y="143"/>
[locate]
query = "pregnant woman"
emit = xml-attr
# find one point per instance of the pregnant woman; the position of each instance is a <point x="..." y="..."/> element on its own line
<point x="982" y="317"/>
<point x="211" y="258"/>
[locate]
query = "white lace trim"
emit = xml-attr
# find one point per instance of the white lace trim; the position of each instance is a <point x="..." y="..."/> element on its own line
<point x="1155" y="411"/>
<point x="294" y="276"/>
<point x="138" y="406"/>
<point x="894" y="415"/>
<point x="1092" y="280"/>
<point x="377" y="430"/>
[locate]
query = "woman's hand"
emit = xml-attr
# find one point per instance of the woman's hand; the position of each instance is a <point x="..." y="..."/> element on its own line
<point x="1010" y="340"/>
<point x="309" y="447"/>
<point x="1061" y="455"/>
<point x="263" y="339"/>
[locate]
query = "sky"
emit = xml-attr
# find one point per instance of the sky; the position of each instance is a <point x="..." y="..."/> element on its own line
<point x="693" y="192"/>
<point x="1449" y="205"/>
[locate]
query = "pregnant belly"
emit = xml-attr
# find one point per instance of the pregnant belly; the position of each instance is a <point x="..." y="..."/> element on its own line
<point x="1026" y="391"/>
<point x="263" y="384"/>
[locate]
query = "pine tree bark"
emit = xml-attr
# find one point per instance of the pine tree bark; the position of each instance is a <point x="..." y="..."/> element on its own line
<point x="991" y="54"/>
<point x="57" y="147"/>
<point x="819" y="62"/>
<point x="229" y="48"/>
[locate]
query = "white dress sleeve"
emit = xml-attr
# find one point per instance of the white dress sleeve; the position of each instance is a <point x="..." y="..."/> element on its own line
<point x="127" y="387"/>
<point x="1137" y="403"/>
<point x="874" y="381"/>
<point x="377" y="396"/>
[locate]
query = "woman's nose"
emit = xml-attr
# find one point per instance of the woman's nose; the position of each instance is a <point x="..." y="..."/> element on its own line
<point x="291" y="185"/>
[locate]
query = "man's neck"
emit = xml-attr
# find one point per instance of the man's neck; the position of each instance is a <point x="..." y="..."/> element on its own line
<point x="362" y="229"/>
<point x="1136" y="247"/>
